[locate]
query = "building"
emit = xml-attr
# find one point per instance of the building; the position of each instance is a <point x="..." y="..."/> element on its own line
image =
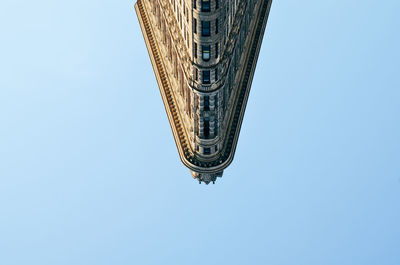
<point x="204" y="53"/>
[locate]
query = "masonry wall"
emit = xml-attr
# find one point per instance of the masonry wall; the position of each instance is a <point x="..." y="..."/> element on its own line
<point x="202" y="43"/>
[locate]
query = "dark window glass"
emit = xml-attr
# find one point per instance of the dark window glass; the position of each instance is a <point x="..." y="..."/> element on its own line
<point x="206" y="52"/>
<point x="195" y="50"/>
<point x="196" y="74"/>
<point x="206" y="77"/>
<point x="207" y="151"/>
<point x="205" y="5"/>
<point x="216" y="74"/>
<point x="205" y="28"/>
<point x="195" y="25"/>
<point x="206" y="129"/>
<point x="194" y="4"/>
<point x="216" y="4"/>
<point x="216" y="50"/>
<point x="206" y="103"/>
<point x="216" y="26"/>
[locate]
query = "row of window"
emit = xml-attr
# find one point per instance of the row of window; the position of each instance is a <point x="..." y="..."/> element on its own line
<point x="206" y="128"/>
<point x="179" y="15"/>
<point x="206" y="51"/>
<point x="205" y="5"/>
<point x="206" y="106"/>
<point x="207" y="150"/>
<point x="206" y="76"/>
<point x="205" y="27"/>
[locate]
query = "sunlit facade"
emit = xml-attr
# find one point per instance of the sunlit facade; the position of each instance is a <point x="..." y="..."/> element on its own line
<point x="204" y="53"/>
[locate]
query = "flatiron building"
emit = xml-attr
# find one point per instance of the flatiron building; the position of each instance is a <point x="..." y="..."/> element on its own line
<point x="204" y="54"/>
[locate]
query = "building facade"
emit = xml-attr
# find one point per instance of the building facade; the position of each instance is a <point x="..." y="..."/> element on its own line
<point x="204" y="53"/>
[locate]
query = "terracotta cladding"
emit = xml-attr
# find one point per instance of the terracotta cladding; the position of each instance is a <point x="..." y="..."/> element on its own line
<point x="207" y="92"/>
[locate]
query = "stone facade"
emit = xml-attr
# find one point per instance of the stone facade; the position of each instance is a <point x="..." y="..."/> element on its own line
<point x="204" y="53"/>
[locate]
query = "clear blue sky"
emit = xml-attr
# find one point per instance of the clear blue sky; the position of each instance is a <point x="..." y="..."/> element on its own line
<point x="90" y="174"/>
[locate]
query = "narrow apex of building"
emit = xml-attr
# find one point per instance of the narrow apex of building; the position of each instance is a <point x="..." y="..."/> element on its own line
<point x="204" y="54"/>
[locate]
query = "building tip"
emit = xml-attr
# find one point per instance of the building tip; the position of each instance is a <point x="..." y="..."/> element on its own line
<point x="207" y="178"/>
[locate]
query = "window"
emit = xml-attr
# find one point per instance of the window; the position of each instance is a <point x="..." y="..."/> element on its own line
<point x="216" y="74"/>
<point x="207" y="151"/>
<point x="205" y="28"/>
<point x="216" y="50"/>
<point x="195" y="26"/>
<point x="216" y="4"/>
<point x="195" y="50"/>
<point x="205" y="5"/>
<point x="206" y="129"/>
<point x="216" y="26"/>
<point x="196" y="74"/>
<point x="206" y="103"/>
<point x="206" y="52"/>
<point x="194" y="4"/>
<point x="206" y="77"/>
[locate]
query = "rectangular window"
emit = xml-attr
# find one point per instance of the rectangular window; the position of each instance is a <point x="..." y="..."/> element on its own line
<point x="194" y="4"/>
<point x="205" y="28"/>
<point x="195" y="26"/>
<point x="216" y="74"/>
<point x="216" y="130"/>
<point x="195" y="50"/>
<point x="216" y="4"/>
<point x="196" y="74"/>
<point x="216" y="50"/>
<point x="207" y="151"/>
<point x="206" y="103"/>
<point x="206" y="128"/>
<point x="206" y="77"/>
<point x="206" y="52"/>
<point x="216" y="26"/>
<point x="205" y="6"/>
